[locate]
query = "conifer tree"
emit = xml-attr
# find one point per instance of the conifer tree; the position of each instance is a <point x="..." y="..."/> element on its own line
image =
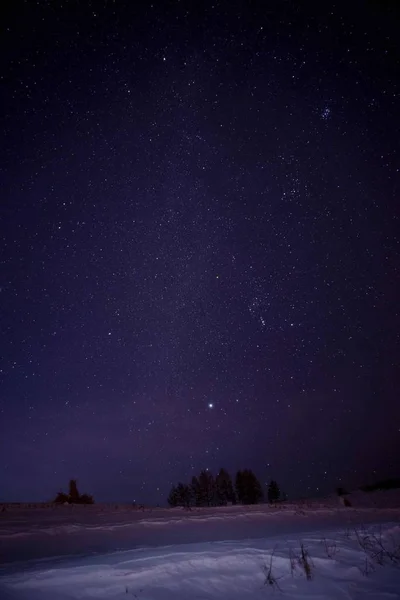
<point x="73" y="497"/>
<point x="183" y="494"/>
<point x="195" y="491"/>
<point x="240" y="486"/>
<point x="61" y="498"/>
<point x="273" y="491"/>
<point x="207" y="488"/>
<point x="173" y="497"/>
<point x="187" y="496"/>
<point x="248" y="488"/>
<point x="224" y="488"/>
<point x="86" y="499"/>
<point x="73" y="491"/>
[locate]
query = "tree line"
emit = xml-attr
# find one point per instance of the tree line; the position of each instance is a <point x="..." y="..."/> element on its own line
<point x="207" y="490"/>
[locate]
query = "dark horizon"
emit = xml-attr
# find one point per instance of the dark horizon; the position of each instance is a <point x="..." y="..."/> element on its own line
<point x="200" y="245"/>
<point x="318" y="493"/>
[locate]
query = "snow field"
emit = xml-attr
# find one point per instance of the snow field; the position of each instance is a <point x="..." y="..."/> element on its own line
<point x="315" y="550"/>
<point x="341" y="566"/>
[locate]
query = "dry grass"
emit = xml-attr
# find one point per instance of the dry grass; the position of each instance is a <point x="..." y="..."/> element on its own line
<point x="270" y="579"/>
<point x="378" y="550"/>
<point x="330" y="547"/>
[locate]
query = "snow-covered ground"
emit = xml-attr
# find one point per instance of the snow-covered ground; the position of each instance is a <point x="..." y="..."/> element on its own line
<point x="311" y="550"/>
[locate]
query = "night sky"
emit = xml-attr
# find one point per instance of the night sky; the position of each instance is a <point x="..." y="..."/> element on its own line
<point x="199" y="245"/>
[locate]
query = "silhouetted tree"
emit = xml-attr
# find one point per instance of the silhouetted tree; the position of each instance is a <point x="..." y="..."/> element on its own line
<point x="196" y="492"/>
<point x="248" y="488"/>
<point x="180" y="495"/>
<point x="273" y="491"/>
<point x="61" y="498"/>
<point x="74" y="497"/>
<point x="207" y="488"/>
<point x="240" y="486"/>
<point x="224" y="488"/>
<point x="173" y="497"/>
<point x="184" y="494"/>
<point x="85" y="499"/>
<point x="73" y="491"/>
<point x="188" y="496"/>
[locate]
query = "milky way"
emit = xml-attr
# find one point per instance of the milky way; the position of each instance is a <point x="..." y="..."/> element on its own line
<point x="200" y="245"/>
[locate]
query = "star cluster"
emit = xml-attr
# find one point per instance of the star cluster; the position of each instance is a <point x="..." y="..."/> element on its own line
<point x="200" y="245"/>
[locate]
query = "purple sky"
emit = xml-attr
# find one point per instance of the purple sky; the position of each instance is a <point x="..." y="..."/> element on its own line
<point x="200" y="245"/>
